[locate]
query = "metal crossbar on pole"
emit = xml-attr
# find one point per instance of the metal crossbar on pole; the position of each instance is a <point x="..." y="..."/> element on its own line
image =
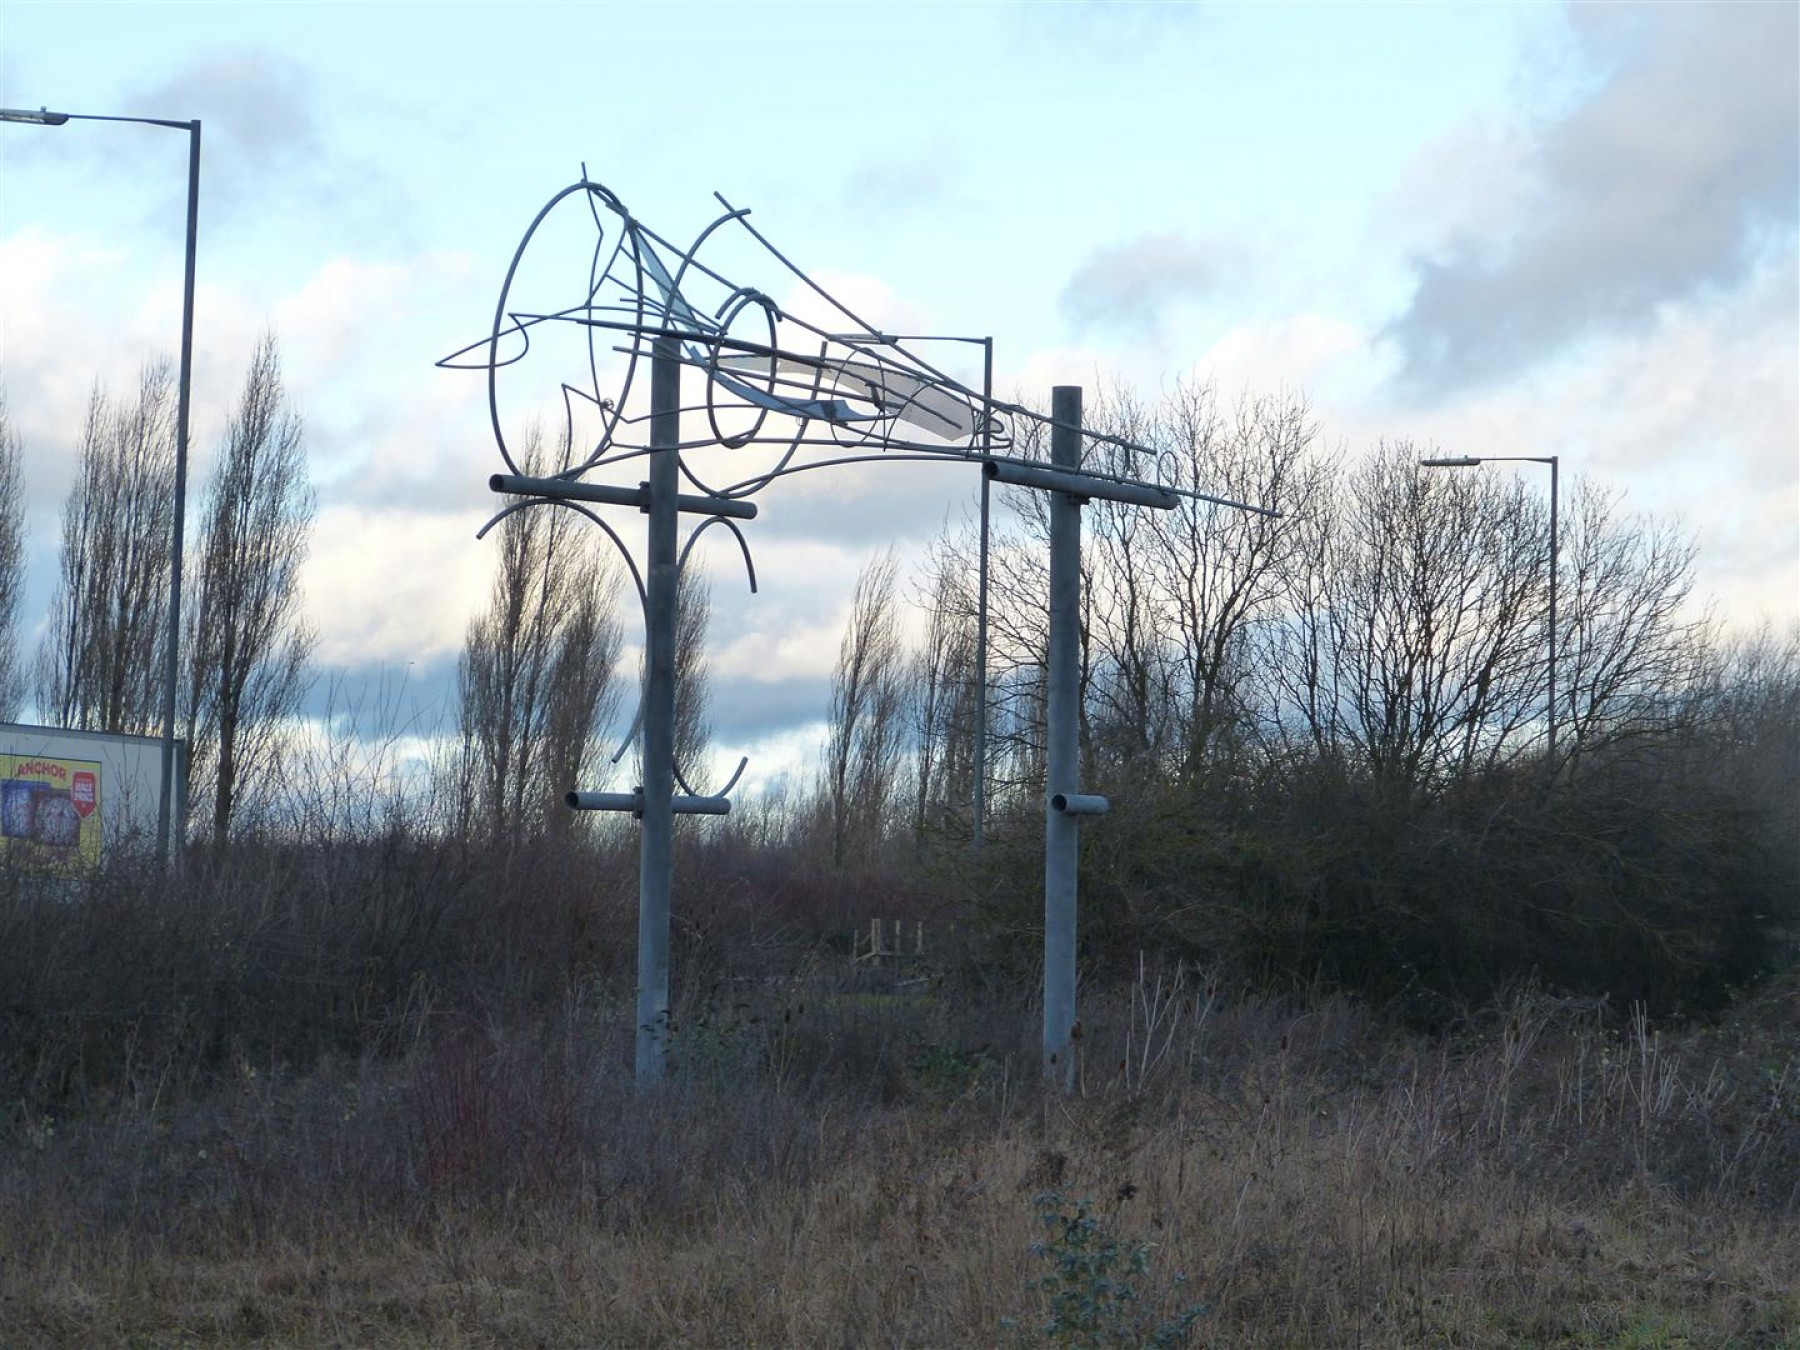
<point x="571" y="490"/>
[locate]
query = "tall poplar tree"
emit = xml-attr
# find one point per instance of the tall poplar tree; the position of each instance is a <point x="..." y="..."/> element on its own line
<point x="248" y="647"/>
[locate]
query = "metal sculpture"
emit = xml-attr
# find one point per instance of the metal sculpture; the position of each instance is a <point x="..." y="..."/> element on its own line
<point x="807" y="395"/>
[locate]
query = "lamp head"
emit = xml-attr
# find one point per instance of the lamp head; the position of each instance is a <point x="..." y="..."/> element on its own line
<point x="1455" y="462"/>
<point x="43" y="116"/>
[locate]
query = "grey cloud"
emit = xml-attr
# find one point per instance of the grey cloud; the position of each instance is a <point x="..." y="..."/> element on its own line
<point x="1130" y="286"/>
<point x="905" y="185"/>
<point x="259" y="119"/>
<point x="420" y="699"/>
<point x="380" y="701"/>
<point x="742" y="711"/>
<point x="1674" y="179"/>
<point x="266" y="139"/>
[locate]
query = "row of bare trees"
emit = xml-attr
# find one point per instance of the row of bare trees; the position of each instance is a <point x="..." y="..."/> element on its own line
<point x="1325" y="732"/>
<point x="538" y="680"/>
<point x="1389" y="618"/>
<point x="101" y="663"/>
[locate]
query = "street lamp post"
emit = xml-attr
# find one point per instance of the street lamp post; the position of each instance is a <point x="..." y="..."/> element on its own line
<point x="1469" y="462"/>
<point x="171" y="664"/>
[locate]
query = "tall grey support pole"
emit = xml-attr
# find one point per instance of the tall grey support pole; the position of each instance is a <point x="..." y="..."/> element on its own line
<point x="979" y="807"/>
<point x="177" y="529"/>
<point x="1063" y="772"/>
<point x="1553" y="568"/>
<point x="978" y="835"/>
<point x="656" y="844"/>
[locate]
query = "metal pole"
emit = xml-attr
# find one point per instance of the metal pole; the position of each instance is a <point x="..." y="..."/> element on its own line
<point x="1062" y="736"/>
<point x="656" y="843"/>
<point x="981" y="666"/>
<point x="1553" y="569"/>
<point x="177" y="530"/>
<point x="979" y="833"/>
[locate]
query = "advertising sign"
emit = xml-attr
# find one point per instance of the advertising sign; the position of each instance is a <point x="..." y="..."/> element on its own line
<point x="71" y="798"/>
<point x="50" y="810"/>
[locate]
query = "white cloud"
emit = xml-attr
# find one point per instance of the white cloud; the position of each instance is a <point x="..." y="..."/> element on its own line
<point x="391" y="585"/>
<point x="1668" y="183"/>
<point x="1697" y="419"/>
<point x="868" y="297"/>
<point x="783" y="760"/>
<point x="1315" y="353"/>
<point x="805" y="652"/>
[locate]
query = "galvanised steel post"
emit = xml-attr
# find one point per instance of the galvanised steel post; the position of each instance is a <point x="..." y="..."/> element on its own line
<point x="979" y="806"/>
<point x="656" y="843"/>
<point x="167" y="814"/>
<point x="1554" y="549"/>
<point x="978" y="835"/>
<point x="1062" y="835"/>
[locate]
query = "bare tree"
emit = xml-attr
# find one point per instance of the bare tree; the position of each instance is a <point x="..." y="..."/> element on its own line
<point x="12" y="565"/>
<point x="1627" y="644"/>
<point x="693" y="729"/>
<point x="536" y="678"/>
<point x="944" y="701"/>
<point x="1128" y="673"/>
<point x="248" y="647"/>
<point x="1418" y="649"/>
<point x="100" y="667"/>
<point x="863" y="746"/>
<point x="1220" y="571"/>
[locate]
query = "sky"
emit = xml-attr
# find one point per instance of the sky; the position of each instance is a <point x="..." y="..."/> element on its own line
<point x="1513" y="229"/>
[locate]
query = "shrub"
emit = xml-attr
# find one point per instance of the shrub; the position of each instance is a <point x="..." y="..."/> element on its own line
<point x="1094" y="1293"/>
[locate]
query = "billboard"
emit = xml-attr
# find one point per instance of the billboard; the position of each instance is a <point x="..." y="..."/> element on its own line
<point x="67" y="798"/>
<point x="50" y="809"/>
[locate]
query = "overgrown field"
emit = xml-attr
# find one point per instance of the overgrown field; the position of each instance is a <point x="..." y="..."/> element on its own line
<point x="260" y="1138"/>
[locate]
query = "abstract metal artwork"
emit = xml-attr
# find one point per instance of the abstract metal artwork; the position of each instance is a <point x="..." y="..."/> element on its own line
<point x="779" y="388"/>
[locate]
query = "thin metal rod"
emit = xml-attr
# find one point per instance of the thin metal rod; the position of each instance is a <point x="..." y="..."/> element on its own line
<point x="1554" y="548"/>
<point x="656" y="842"/>
<point x="165" y="817"/>
<point x="1083" y="485"/>
<point x="1062" y="837"/>
<point x="979" y="807"/>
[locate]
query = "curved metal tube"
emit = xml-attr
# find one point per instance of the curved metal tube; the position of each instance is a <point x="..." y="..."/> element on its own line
<point x="702" y="528"/>
<point x="612" y="534"/>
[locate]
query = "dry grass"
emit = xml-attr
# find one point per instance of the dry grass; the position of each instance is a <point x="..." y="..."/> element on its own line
<point x="836" y="1166"/>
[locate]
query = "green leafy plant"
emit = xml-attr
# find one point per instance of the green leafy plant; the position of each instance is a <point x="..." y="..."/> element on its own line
<point x="1094" y="1294"/>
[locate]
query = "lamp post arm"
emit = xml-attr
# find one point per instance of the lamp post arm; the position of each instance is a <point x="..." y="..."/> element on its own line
<point x="44" y="117"/>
